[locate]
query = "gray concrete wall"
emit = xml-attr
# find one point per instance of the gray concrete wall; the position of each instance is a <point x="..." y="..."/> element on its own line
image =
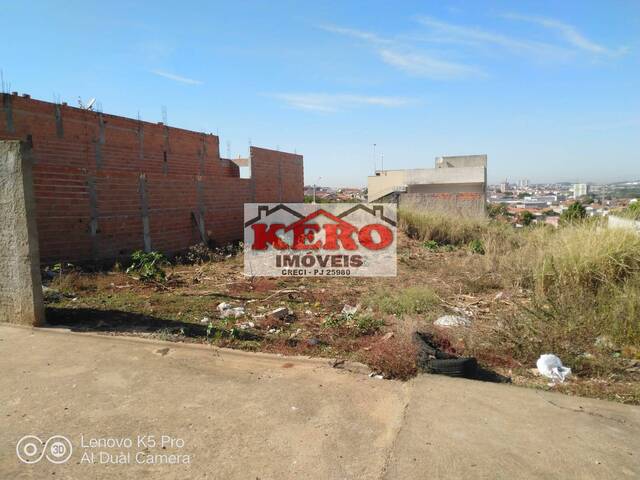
<point x="458" y="204"/>
<point x="383" y="183"/>
<point x="20" y="285"/>
<point x="457" y="161"/>
<point x="424" y="176"/>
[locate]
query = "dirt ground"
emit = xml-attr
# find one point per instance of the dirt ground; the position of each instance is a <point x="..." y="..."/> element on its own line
<point x="429" y="284"/>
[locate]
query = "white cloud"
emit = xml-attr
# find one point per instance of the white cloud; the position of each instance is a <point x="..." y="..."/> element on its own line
<point x="326" y="102"/>
<point x="359" y="34"/>
<point x="568" y="32"/>
<point x="423" y="65"/>
<point x="176" y="78"/>
<point x="400" y="56"/>
<point x="444" y="32"/>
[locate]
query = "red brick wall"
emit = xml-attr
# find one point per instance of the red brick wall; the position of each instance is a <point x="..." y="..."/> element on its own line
<point x="90" y="168"/>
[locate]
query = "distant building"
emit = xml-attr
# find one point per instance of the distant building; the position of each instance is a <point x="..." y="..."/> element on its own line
<point x="504" y="186"/>
<point x="543" y="200"/>
<point x="580" y="190"/>
<point x="457" y="185"/>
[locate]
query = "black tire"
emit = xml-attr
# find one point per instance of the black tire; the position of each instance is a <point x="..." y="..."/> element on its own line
<point x="455" y="367"/>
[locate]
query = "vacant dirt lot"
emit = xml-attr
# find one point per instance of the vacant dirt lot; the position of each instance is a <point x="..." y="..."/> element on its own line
<point x="430" y="283"/>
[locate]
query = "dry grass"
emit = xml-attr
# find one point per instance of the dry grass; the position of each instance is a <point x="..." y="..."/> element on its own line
<point x="584" y="282"/>
<point x="440" y="228"/>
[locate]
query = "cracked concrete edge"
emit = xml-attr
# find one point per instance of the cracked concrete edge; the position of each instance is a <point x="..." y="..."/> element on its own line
<point x="407" y="391"/>
<point x="230" y="353"/>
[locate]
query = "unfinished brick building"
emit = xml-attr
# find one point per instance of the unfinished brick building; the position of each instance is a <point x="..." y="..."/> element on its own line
<point x="107" y="185"/>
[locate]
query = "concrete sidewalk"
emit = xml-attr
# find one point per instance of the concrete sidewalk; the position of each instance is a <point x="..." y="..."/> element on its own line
<point x="248" y="416"/>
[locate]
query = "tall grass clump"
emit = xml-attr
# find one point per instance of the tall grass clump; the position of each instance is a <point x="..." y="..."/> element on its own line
<point x="586" y="258"/>
<point x="584" y="282"/>
<point x="441" y="228"/>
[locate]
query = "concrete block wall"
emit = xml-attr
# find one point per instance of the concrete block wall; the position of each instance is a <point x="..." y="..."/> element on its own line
<point x="458" y="161"/>
<point x="463" y="204"/>
<point x="106" y="185"/>
<point x="20" y="288"/>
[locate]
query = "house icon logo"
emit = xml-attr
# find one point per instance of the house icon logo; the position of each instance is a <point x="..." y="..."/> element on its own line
<point x="320" y="240"/>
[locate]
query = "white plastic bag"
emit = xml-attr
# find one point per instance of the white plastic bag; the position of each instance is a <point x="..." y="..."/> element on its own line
<point x="551" y="367"/>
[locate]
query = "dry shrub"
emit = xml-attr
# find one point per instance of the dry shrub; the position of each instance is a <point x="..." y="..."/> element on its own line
<point x="394" y="358"/>
<point x="74" y="282"/>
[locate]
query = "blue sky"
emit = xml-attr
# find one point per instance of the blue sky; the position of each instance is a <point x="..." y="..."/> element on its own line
<point x="549" y="90"/>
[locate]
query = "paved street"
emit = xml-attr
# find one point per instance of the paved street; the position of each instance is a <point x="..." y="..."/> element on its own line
<point x="193" y="412"/>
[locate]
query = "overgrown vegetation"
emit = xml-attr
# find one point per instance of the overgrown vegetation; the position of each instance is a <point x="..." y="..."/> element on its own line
<point x="411" y="300"/>
<point x="440" y="228"/>
<point x="581" y="282"/>
<point x="147" y="265"/>
<point x="574" y="213"/>
<point x="526" y="218"/>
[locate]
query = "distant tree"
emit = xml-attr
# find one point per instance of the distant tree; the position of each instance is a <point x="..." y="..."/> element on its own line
<point x="523" y="194"/>
<point x="575" y="212"/>
<point x="526" y="218"/>
<point x="549" y="212"/>
<point x="495" y="210"/>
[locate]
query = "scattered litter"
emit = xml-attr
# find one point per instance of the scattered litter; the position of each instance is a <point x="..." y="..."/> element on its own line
<point x="452" y="321"/>
<point x="224" y="306"/>
<point x="246" y="325"/>
<point x="205" y="320"/>
<point x="376" y="375"/>
<point x="498" y="296"/>
<point x="386" y="336"/>
<point x="551" y="367"/>
<point x="227" y="310"/>
<point x="350" y="310"/>
<point x="273" y="330"/>
<point x="308" y="312"/>
<point x="313" y="341"/>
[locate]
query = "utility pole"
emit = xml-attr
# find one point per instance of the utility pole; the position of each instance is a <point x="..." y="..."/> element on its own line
<point x="374" y="158"/>
<point x="314" y="189"/>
